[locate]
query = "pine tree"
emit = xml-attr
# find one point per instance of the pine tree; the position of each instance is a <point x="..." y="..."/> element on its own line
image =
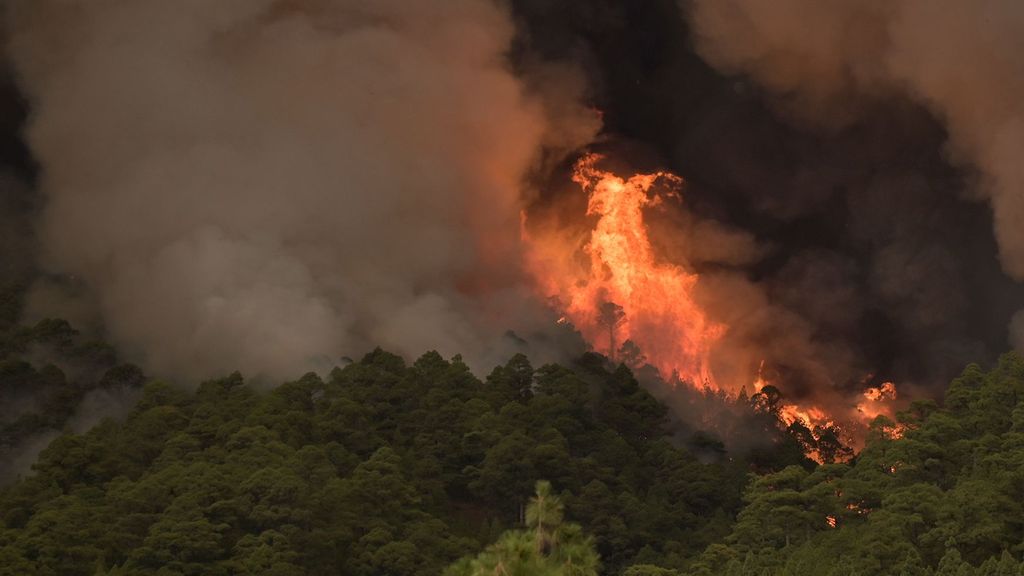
<point x="548" y="547"/>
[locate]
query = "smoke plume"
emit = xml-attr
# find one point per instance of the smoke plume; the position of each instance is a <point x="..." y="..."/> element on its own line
<point x="267" y="185"/>
<point x="827" y="61"/>
<point x="828" y="207"/>
<point x="270" y="184"/>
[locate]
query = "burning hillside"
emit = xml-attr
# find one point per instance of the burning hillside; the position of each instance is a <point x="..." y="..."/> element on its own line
<point x="614" y="288"/>
<point x="362" y="286"/>
<point x="603" y="274"/>
<point x="277" y="184"/>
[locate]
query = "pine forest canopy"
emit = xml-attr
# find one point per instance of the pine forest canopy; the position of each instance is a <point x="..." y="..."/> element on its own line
<point x="389" y="468"/>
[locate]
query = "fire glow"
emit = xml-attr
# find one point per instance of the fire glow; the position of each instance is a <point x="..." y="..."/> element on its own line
<point x="621" y="291"/>
<point x="607" y="281"/>
<point x="810" y="416"/>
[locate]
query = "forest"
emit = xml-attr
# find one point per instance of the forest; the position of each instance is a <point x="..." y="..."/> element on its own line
<point x="388" y="468"/>
<point x="548" y="234"/>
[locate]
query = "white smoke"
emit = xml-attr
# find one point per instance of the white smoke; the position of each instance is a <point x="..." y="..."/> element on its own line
<point x="271" y="184"/>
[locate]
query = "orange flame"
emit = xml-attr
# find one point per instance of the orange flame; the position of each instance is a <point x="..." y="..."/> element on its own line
<point x="609" y="283"/>
<point x="618" y="266"/>
<point x="880" y="401"/>
<point x="877" y="402"/>
<point x="809" y="416"/>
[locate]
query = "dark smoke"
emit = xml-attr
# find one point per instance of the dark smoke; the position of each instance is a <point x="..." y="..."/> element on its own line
<point x="859" y="251"/>
<point x="18" y="200"/>
<point x="270" y="184"/>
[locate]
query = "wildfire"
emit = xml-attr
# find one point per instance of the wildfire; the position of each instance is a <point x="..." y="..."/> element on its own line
<point x="603" y="276"/>
<point x="614" y="288"/>
<point x="877" y="401"/>
<point x="880" y="401"/>
<point x="810" y="416"/>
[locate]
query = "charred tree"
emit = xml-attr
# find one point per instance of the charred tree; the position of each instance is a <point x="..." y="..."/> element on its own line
<point x="611" y="315"/>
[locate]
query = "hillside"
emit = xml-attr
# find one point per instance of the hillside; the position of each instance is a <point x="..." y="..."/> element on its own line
<point x="393" y="469"/>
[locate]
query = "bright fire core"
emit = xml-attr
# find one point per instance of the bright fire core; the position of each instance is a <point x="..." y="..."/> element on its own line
<point x="603" y="275"/>
<point x="619" y="291"/>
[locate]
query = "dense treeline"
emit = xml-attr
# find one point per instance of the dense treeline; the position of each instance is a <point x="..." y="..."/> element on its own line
<point x="381" y="469"/>
<point x="385" y="468"/>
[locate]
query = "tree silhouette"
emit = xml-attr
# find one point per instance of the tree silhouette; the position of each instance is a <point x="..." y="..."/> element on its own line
<point x="631" y="355"/>
<point x="610" y="315"/>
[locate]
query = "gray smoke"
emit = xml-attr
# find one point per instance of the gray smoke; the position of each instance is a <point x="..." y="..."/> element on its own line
<point x="271" y="184"/>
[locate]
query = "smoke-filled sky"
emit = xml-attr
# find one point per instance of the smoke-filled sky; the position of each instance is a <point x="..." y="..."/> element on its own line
<point x="273" y="184"/>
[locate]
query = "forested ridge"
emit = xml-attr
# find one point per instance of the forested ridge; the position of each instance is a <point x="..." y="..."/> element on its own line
<point x="388" y="468"/>
<point x="53" y="379"/>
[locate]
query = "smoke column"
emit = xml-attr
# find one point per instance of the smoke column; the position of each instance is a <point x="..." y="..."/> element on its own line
<point x="266" y="185"/>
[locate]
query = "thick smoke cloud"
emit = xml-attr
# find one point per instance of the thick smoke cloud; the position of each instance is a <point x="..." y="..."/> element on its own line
<point x="828" y="63"/>
<point x="270" y="184"/>
<point x="17" y="199"/>
<point x="17" y="245"/>
<point x="836" y="229"/>
<point x="827" y="60"/>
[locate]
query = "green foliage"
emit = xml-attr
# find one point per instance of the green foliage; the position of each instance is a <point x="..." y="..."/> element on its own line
<point x="548" y="547"/>
<point x="944" y="498"/>
<point x="388" y="468"/>
<point x="382" y="469"/>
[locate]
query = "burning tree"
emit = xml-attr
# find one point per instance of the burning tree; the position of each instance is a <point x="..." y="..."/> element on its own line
<point x="631" y="355"/>
<point x="618" y="263"/>
<point x="610" y="315"/>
